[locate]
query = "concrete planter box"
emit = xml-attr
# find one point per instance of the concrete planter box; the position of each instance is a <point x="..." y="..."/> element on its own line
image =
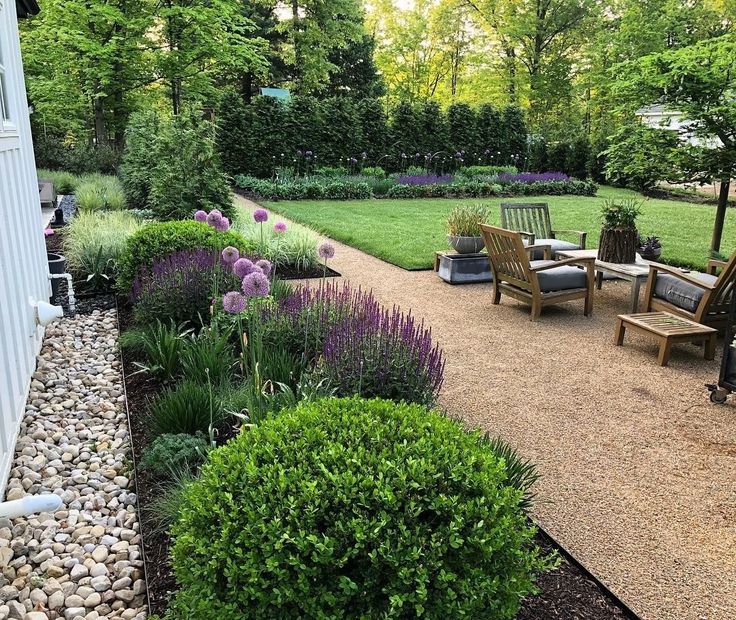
<point x="465" y="268"/>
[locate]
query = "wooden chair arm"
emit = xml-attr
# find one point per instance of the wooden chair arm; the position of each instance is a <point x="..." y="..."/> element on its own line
<point x="582" y="235"/>
<point x="714" y="264"/>
<point x="654" y="268"/>
<point x="544" y="247"/>
<point x="580" y="262"/>
<point x="529" y="235"/>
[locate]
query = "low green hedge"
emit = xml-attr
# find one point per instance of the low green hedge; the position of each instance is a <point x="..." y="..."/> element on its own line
<point x="351" y="508"/>
<point x="350" y="189"/>
<point x="162" y="238"/>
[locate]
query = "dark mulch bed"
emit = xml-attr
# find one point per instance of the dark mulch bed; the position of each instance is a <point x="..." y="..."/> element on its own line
<point x="289" y="273"/>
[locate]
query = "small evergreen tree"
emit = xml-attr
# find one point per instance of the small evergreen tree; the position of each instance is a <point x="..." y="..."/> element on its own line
<point x="187" y="175"/>
<point x="461" y="128"/>
<point x="233" y="133"/>
<point x="432" y="130"/>
<point x="269" y="145"/>
<point x="139" y="158"/>
<point x="514" y="136"/>
<point x="374" y="129"/>
<point x="342" y="134"/>
<point x="579" y="158"/>
<point x="538" y="160"/>
<point x="404" y="132"/>
<point x="488" y="134"/>
<point x="559" y="157"/>
<point x="303" y="125"/>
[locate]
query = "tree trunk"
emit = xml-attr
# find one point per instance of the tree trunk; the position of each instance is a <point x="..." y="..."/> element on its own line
<point x="617" y="245"/>
<point x="175" y="95"/>
<point x="100" y="126"/>
<point x="715" y="244"/>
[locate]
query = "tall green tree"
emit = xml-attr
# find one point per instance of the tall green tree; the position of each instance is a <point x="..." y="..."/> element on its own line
<point x="315" y="29"/>
<point x="699" y="82"/>
<point x="355" y="74"/>
<point x="201" y="40"/>
<point x="85" y="62"/>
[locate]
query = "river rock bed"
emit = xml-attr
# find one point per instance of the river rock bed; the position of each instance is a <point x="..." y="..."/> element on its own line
<point x="83" y="561"/>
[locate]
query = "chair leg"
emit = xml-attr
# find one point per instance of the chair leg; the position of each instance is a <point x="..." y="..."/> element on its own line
<point x="710" y="347"/>
<point x="496" y="294"/>
<point x="620" y="332"/>
<point x="536" y="310"/>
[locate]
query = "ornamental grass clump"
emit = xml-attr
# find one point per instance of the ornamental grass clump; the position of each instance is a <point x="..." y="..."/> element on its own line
<point x="465" y="221"/>
<point x="347" y="508"/>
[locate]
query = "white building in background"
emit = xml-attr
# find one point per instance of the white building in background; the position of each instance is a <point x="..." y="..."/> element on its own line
<point x="23" y="263"/>
<point x="659" y="117"/>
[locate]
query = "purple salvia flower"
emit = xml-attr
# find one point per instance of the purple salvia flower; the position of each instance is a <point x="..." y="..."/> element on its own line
<point x="424" y="179"/>
<point x="233" y="302"/>
<point x="256" y="284"/>
<point x="531" y="177"/>
<point x="242" y="267"/>
<point x="260" y="215"/>
<point x="230" y="255"/>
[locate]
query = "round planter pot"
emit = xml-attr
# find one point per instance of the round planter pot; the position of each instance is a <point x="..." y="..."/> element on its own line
<point x="466" y="245"/>
<point x="57" y="264"/>
<point x="652" y="255"/>
<point x="618" y="245"/>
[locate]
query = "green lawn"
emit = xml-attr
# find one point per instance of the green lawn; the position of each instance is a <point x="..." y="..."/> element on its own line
<point x="407" y="232"/>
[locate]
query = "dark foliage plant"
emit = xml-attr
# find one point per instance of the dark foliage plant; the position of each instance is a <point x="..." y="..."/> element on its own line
<point x="160" y="239"/>
<point x="209" y="356"/>
<point x="159" y="347"/>
<point x="180" y="287"/>
<point x="189" y="407"/>
<point x="170" y="452"/>
<point x="375" y="510"/>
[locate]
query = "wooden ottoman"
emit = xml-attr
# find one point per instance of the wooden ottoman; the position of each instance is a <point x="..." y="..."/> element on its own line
<point x="667" y="328"/>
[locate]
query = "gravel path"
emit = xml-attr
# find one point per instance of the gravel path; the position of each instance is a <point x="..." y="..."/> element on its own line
<point x="83" y="561"/>
<point x="639" y="469"/>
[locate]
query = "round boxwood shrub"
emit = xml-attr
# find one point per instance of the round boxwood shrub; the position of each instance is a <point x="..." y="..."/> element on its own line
<point x="351" y="508"/>
<point x="160" y="239"/>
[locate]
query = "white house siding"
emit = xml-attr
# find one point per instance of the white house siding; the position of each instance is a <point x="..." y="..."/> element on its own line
<point x="23" y="265"/>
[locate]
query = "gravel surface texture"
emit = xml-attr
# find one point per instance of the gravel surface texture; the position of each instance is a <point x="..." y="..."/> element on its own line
<point x="639" y="469"/>
<point x="83" y="561"/>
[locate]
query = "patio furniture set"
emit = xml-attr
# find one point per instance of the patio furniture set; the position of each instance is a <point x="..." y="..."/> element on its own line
<point x="529" y="263"/>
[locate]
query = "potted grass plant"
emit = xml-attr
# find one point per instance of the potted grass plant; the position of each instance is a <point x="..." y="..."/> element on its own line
<point x="619" y="238"/>
<point x="463" y="228"/>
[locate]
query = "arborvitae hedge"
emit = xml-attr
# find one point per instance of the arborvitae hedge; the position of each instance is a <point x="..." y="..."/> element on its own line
<point x="269" y="134"/>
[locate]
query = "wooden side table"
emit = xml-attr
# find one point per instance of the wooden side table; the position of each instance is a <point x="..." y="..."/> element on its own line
<point x="668" y="329"/>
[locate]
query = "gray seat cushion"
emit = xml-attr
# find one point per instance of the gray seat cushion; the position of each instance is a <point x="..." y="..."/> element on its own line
<point x="556" y="245"/>
<point x="679" y="292"/>
<point x="559" y="278"/>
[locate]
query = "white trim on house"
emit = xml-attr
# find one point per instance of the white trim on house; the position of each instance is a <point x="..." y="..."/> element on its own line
<point x="23" y="265"/>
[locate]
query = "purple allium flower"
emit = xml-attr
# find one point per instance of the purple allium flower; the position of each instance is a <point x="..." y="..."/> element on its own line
<point x="256" y="285"/>
<point x="242" y="267"/>
<point x="279" y="227"/>
<point x="260" y="215"/>
<point x="214" y="217"/>
<point x="326" y="250"/>
<point x="200" y="216"/>
<point x="233" y="302"/>
<point x="230" y="255"/>
<point x="223" y="225"/>
<point x="265" y="266"/>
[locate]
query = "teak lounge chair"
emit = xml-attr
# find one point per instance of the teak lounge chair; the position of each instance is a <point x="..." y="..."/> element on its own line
<point x="533" y="222"/>
<point x="700" y="297"/>
<point x="537" y="282"/>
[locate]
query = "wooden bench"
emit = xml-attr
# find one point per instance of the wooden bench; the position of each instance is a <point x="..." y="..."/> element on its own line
<point x="668" y="329"/>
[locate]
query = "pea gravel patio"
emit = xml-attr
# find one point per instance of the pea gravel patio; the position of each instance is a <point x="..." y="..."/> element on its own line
<point x="639" y="469"/>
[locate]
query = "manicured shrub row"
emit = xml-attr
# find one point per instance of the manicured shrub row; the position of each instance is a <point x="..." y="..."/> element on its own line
<point x="259" y="138"/>
<point x="315" y="189"/>
<point x="346" y="508"/>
